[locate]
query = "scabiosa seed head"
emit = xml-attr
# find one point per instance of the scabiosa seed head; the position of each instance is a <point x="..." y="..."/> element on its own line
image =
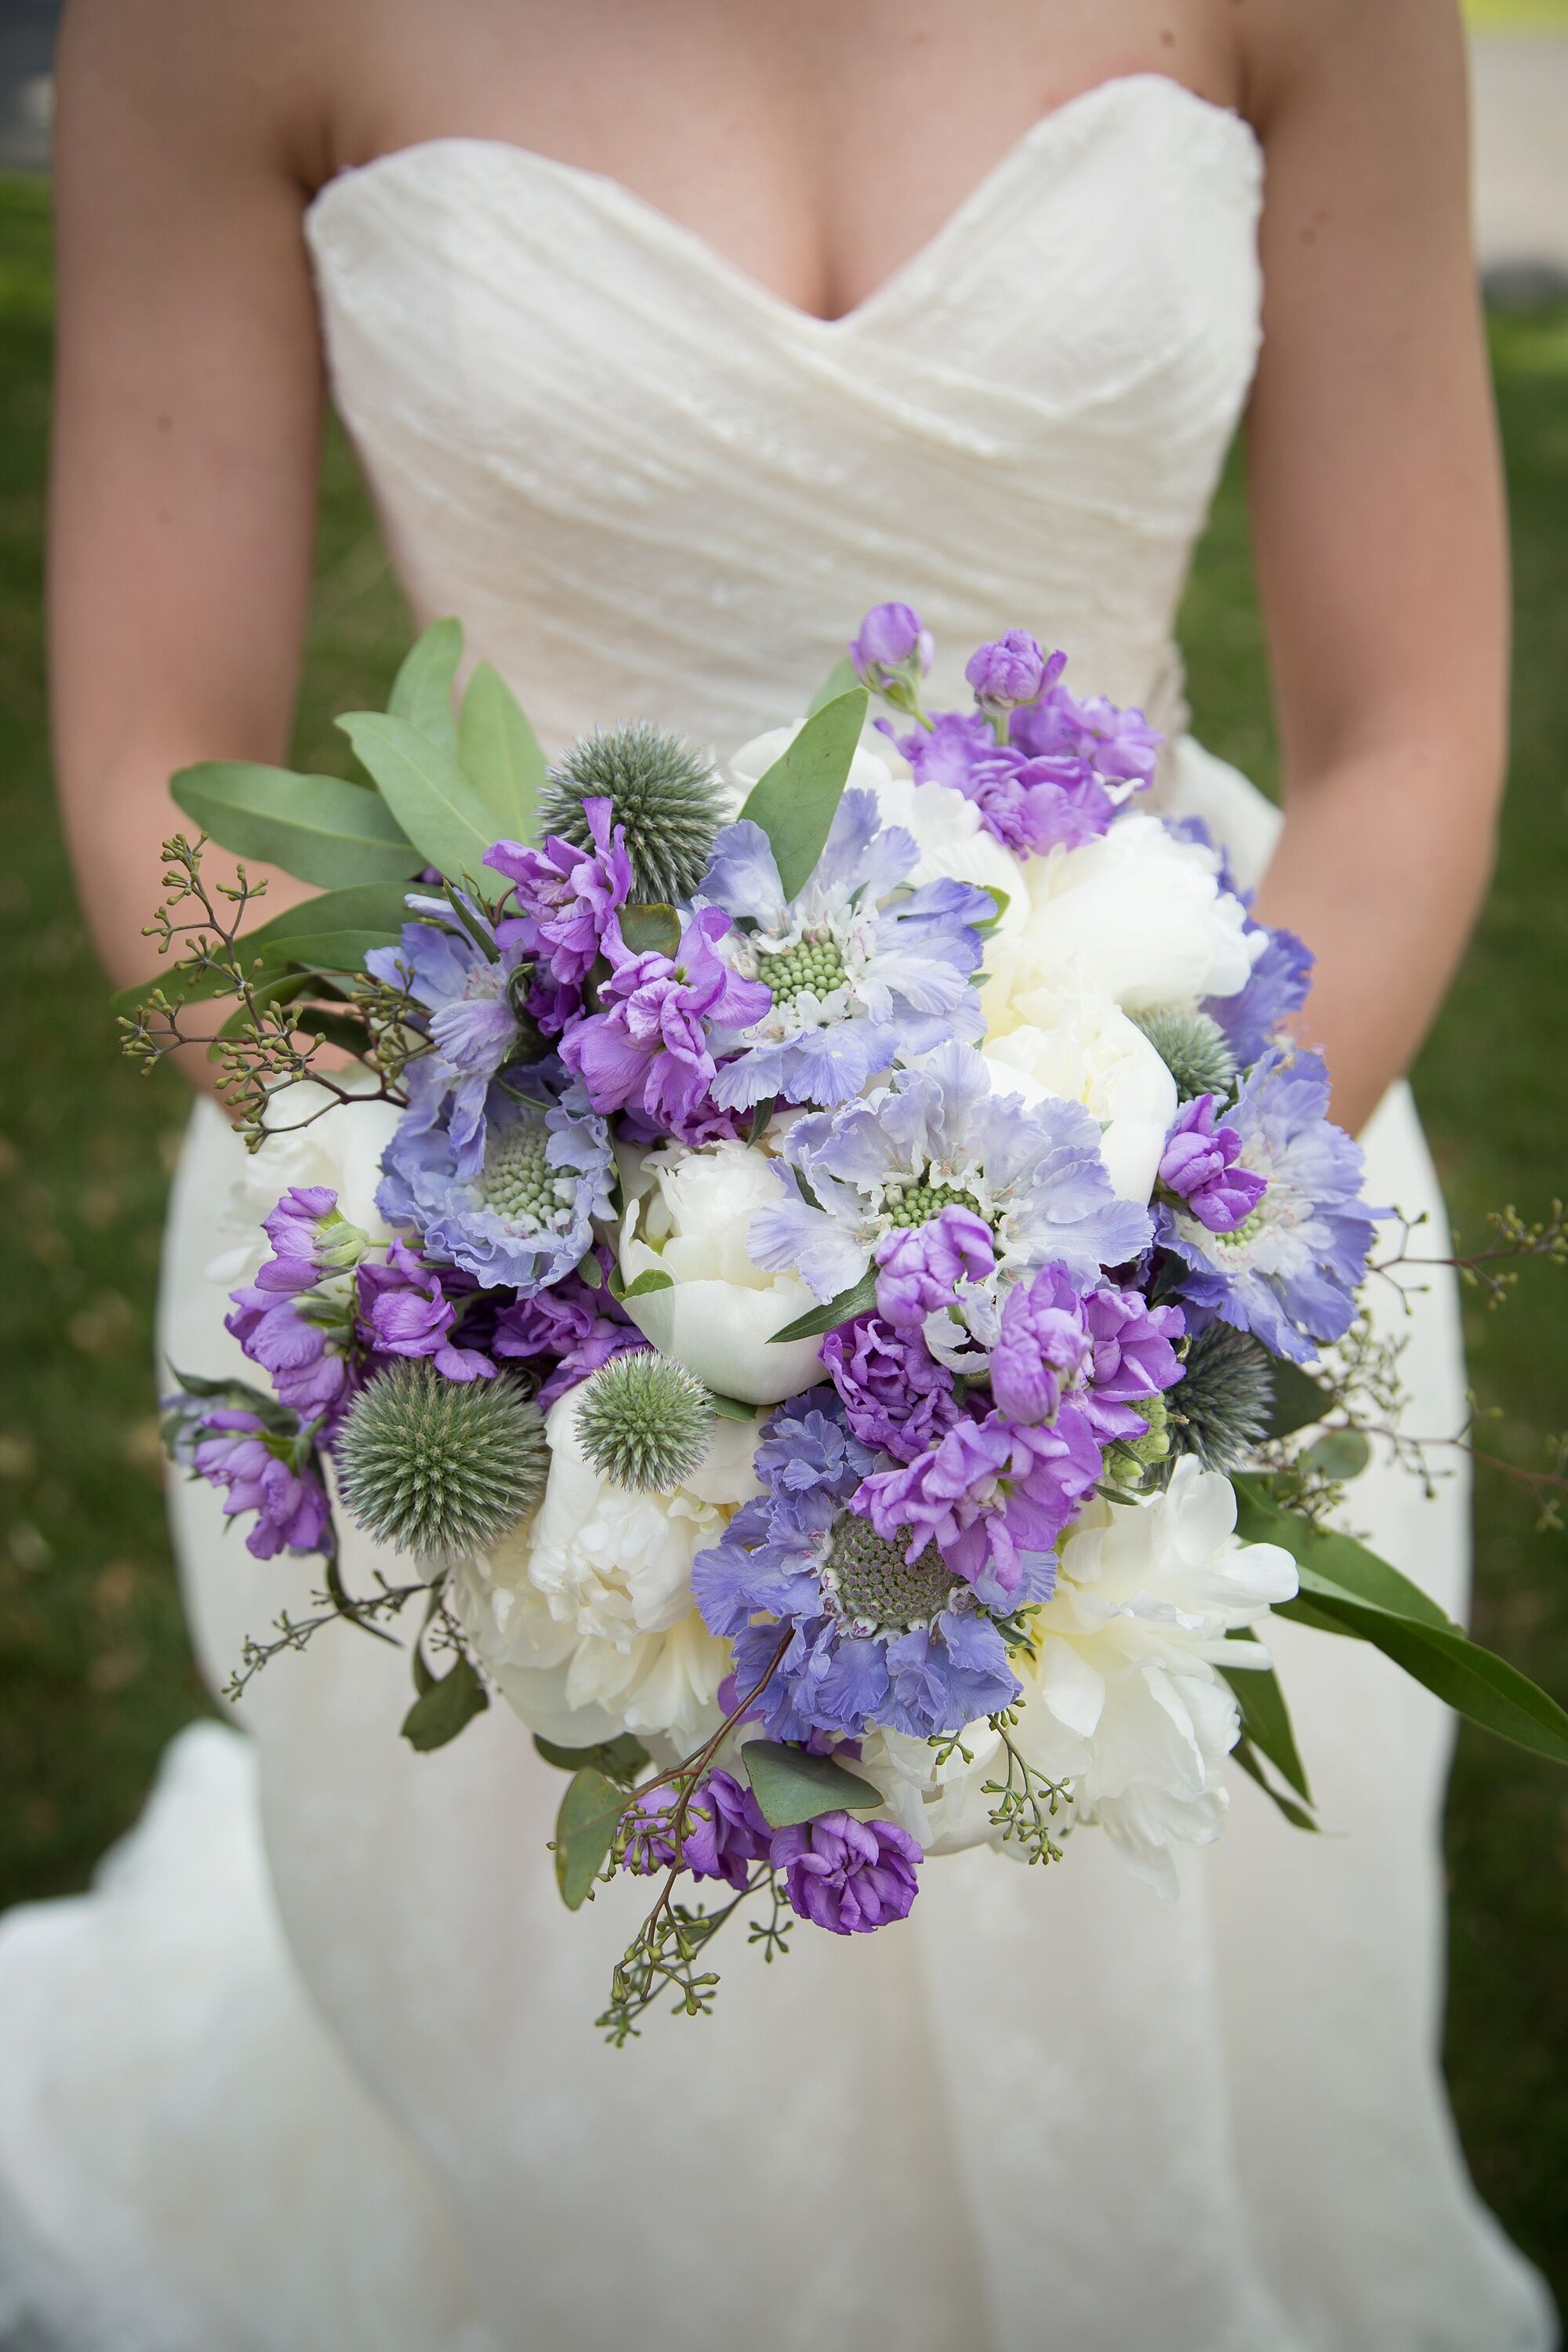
<point x="875" y="1588"/>
<point x="1219" y="1409"/>
<point x="645" y="1422"/>
<point x="437" y="1467"/>
<point x="665" y="795"/>
<point x="1192" y="1047"/>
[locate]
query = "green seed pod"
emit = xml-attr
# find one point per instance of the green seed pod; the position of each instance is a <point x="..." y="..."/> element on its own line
<point x="441" y="1468"/>
<point x="665" y="795"/>
<point x="645" y="1422"/>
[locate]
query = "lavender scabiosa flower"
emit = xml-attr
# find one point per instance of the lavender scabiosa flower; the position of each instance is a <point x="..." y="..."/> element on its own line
<point x="933" y="1136"/>
<point x="463" y="982"/>
<point x="264" y="1471"/>
<point x="404" y="1310"/>
<point x="859" y="968"/>
<point x="648" y="1048"/>
<point x="1289" y="1273"/>
<point x="847" y="1875"/>
<point x="565" y="897"/>
<point x="1250" y="1021"/>
<point x="524" y="1216"/>
<point x="872" y="1638"/>
<point x="1201" y="1166"/>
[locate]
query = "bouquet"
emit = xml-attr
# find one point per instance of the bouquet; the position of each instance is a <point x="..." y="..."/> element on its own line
<point x="850" y="1312"/>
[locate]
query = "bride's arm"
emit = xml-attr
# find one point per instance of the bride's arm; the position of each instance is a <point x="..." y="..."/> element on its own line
<point x="186" y="429"/>
<point x="1377" y="518"/>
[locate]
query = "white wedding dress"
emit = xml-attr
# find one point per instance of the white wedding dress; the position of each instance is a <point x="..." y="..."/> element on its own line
<point x="313" y="2069"/>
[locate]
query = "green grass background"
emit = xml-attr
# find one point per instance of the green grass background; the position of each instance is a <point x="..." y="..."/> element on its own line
<point x="94" y="1669"/>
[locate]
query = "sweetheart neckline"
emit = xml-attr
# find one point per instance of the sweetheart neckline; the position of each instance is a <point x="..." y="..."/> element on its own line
<point x="694" y="245"/>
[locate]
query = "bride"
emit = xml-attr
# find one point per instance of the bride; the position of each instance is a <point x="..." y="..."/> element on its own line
<point x="671" y="336"/>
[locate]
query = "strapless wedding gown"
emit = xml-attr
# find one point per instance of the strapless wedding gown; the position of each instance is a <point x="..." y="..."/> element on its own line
<point x="313" y="2067"/>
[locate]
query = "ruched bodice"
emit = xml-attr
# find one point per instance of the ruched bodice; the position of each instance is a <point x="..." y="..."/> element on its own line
<point x="648" y="484"/>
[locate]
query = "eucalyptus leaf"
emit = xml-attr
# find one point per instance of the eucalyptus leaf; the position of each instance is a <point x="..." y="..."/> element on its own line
<point x="795" y="802"/>
<point x="859" y="1300"/>
<point x="1266" y="1720"/>
<point x="621" y="1758"/>
<point x="841" y="679"/>
<point x="1001" y="900"/>
<point x="422" y="690"/>
<point x="792" y="1785"/>
<point x="651" y="930"/>
<point x="240" y="1395"/>
<point x="446" y="1707"/>
<point x="1298" y="1398"/>
<point x="585" y="1833"/>
<point x="1247" y="1757"/>
<point x="729" y="1408"/>
<point x="444" y="814"/>
<point x="1331" y="1565"/>
<point x="318" y="827"/>
<point x="1339" y="1454"/>
<point x="498" y="753"/>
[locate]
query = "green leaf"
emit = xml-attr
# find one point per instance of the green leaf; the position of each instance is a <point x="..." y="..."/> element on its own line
<point x="794" y="803"/>
<point x="792" y="1786"/>
<point x="1299" y="1400"/>
<point x="1266" y="1722"/>
<point x="442" y="813"/>
<point x="422" y="690"/>
<point x="1351" y="1587"/>
<point x="1247" y="1755"/>
<point x="1002" y="900"/>
<point x="653" y="1277"/>
<point x="729" y="1408"/>
<point x="859" y="1300"/>
<point x="499" y="754"/>
<point x="447" y="1708"/>
<point x="240" y="1394"/>
<point x="651" y="930"/>
<point x="841" y="679"/>
<point x="319" y="827"/>
<point x="585" y="1833"/>
<point x="1339" y="1454"/>
<point x="621" y="1758"/>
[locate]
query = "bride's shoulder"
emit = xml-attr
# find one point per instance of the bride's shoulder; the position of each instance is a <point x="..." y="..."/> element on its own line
<point x="1398" y="60"/>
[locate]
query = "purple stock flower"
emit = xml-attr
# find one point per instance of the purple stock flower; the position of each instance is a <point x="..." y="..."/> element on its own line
<point x="849" y="1875"/>
<point x="920" y="1267"/>
<point x="577" y="1327"/>
<point x="1115" y="744"/>
<point x="1012" y="670"/>
<point x="241" y="1456"/>
<point x="892" y="641"/>
<point x="648" y="1046"/>
<point x="465" y="991"/>
<point x="565" y="897"/>
<point x="944" y="752"/>
<point x="993" y="1497"/>
<point x="725" y="1832"/>
<point x="404" y="1310"/>
<point x="286" y="1321"/>
<point x="1133" y="1359"/>
<point x="1042" y="1346"/>
<point x="897" y="1397"/>
<point x="1290" y="1275"/>
<point x="1201" y="1166"/>
<point x="1035" y="804"/>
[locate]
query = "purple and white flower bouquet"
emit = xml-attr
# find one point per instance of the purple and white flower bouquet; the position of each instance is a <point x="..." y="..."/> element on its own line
<point x="850" y="1313"/>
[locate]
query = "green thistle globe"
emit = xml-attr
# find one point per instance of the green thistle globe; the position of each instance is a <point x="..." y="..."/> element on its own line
<point x="1192" y="1047"/>
<point x="665" y="795"/>
<point x="645" y="1422"/>
<point x="441" y="1468"/>
<point x="1219" y="1409"/>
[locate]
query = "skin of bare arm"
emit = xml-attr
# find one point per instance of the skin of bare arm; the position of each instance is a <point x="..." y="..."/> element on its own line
<point x="1377" y="511"/>
<point x="187" y="423"/>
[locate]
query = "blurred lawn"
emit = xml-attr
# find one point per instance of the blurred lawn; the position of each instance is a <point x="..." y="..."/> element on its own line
<point x="94" y="1672"/>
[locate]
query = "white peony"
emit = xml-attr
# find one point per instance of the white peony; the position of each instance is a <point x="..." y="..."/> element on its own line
<point x="1122" y="1695"/>
<point x="718" y="1313"/>
<point x="584" y="1616"/>
<point x="341" y="1148"/>
<point x="1084" y="1049"/>
<point x="953" y="842"/>
<point x="1137" y="916"/>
